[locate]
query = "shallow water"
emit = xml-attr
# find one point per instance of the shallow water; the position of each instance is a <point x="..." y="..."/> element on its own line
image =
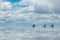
<point x="10" y="33"/>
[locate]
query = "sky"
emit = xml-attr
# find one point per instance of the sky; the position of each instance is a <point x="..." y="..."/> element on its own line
<point x="23" y="12"/>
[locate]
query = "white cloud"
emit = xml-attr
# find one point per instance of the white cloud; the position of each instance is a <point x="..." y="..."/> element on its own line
<point x="5" y="6"/>
<point x="28" y="12"/>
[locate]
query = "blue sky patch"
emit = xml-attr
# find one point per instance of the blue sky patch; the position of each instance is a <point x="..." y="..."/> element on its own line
<point x="12" y="1"/>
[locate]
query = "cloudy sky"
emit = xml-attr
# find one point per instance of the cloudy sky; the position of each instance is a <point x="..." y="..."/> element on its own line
<point x="23" y="12"/>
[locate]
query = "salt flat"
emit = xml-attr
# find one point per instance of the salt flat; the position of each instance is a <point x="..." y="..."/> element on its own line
<point x="11" y="33"/>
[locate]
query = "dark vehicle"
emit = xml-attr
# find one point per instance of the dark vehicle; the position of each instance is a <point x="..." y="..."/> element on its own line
<point x="52" y="26"/>
<point x="33" y="25"/>
<point x="44" y="25"/>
